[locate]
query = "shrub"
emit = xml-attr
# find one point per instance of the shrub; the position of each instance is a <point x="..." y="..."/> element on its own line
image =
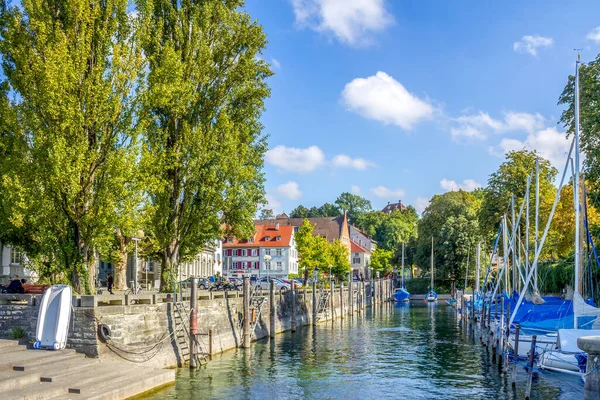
<point x="17" y="333"/>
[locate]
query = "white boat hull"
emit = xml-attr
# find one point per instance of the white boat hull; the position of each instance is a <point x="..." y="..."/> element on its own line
<point x="54" y="317"/>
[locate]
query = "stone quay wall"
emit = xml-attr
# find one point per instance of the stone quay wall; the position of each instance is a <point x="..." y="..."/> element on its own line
<point x="153" y="329"/>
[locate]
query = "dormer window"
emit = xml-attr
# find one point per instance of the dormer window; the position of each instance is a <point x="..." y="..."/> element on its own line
<point x="251" y="240"/>
<point x="267" y="238"/>
<point x="278" y="238"/>
<point x="229" y="240"/>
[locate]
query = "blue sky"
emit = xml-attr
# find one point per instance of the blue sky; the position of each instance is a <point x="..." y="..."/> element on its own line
<point x="404" y="99"/>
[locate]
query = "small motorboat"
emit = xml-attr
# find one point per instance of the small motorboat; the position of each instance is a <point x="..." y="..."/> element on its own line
<point x="431" y="296"/>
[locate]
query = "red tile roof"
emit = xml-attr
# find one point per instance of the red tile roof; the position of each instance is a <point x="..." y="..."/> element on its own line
<point x="259" y="238"/>
<point x="357" y="249"/>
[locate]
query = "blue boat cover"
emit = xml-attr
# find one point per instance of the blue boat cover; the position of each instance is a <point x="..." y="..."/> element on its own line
<point x="401" y="295"/>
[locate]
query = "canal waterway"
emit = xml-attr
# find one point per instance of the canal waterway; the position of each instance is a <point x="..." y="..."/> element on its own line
<point x="406" y="351"/>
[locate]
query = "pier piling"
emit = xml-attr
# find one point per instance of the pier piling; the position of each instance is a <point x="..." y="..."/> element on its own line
<point x="193" y="323"/>
<point x="314" y="303"/>
<point x="516" y="355"/>
<point x="530" y="367"/>
<point x="272" y="309"/>
<point x="293" y="301"/>
<point x="246" y="323"/>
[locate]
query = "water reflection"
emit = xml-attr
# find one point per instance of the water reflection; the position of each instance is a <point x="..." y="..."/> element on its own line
<point x="411" y="351"/>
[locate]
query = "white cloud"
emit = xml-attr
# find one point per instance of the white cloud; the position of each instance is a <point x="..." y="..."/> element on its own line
<point x="421" y="204"/>
<point x="289" y="190"/>
<point x="294" y="159"/>
<point x="273" y="203"/>
<point x="467" y="185"/>
<point x="594" y="35"/>
<point x="355" y="189"/>
<point x="531" y="43"/>
<point x="353" y="22"/>
<point x="549" y="143"/>
<point x="385" y="193"/>
<point x="481" y="125"/>
<point x="382" y="98"/>
<point x="344" y="161"/>
<point x="276" y="64"/>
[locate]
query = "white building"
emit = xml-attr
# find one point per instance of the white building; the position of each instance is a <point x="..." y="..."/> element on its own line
<point x="270" y="251"/>
<point x="362" y="239"/>
<point x="13" y="262"/>
<point x="361" y="260"/>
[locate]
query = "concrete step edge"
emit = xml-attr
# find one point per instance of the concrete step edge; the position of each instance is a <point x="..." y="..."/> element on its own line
<point x="149" y="382"/>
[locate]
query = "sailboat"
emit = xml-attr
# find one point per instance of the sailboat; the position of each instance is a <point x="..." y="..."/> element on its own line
<point x="566" y="356"/>
<point x="401" y="294"/>
<point x="432" y="295"/>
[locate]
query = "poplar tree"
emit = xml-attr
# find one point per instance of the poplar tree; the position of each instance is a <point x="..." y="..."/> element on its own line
<point x="203" y="148"/>
<point x="73" y="67"/>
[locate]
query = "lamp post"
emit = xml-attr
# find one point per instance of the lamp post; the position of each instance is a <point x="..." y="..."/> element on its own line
<point x="316" y="274"/>
<point x="139" y="235"/>
<point x="267" y="264"/>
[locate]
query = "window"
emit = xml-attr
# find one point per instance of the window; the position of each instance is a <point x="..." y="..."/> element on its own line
<point x="243" y="252"/>
<point x="296" y="229"/>
<point x="254" y="252"/>
<point x="268" y="264"/>
<point x="251" y="240"/>
<point x="355" y="254"/>
<point x="256" y="265"/>
<point x="267" y="238"/>
<point x="356" y="261"/>
<point x="229" y="240"/>
<point x="16" y="256"/>
<point x="278" y="252"/>
<point x="268" y="252"/>
<point x="279" y="265"/>
<point x="278" y="238"/>
<point x="235" y="264"/>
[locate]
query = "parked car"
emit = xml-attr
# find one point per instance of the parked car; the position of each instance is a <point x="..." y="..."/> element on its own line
<point x="289" y="282"/>
<point x="264" y="283"/>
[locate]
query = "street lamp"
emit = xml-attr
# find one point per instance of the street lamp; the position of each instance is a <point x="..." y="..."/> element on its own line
<point x="139" y="235"/>
<point x="316" y="274"/>
<point x="267" y="264"/>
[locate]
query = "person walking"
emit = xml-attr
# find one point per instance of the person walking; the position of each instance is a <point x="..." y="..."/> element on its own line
<point x="109" y="283"/>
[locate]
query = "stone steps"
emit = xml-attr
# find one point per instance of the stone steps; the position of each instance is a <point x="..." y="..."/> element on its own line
<point x="37" y="374"/>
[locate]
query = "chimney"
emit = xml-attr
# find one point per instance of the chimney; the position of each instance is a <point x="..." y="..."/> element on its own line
<point x="388" y="203"/>
<point x="276" y="226"/>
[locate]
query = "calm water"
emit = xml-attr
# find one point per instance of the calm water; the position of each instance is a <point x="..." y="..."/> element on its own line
<point x="414" y="351"/>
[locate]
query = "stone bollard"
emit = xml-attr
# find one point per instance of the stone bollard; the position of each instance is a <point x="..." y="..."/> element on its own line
<point x="591" y="345"/>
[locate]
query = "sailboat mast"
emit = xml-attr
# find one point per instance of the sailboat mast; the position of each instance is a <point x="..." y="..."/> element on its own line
<point x="402" y="265"/>
<point x="477" y="268"/>
<point x="514" y="255"/>
<point x="576" y="184"/>
<point x="432" y="263"/>
<point x="537" y="217"/>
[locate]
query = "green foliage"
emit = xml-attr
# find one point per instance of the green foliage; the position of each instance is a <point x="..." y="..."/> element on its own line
<point x="203" y="150"/>
<point x="17" y="333"/>
<point x="589" y="112"/>
<point x="340" y="259"/>
<point x="451" y="219"/>
<point x="381" y="261"/>
<point x="74" y="68"/>
<point x="390" y="230"/>
<point x="355" y="205"/>
<point x="422" y="285"/>
<point x="266" y="214"/>
<point x="326" y="210"/>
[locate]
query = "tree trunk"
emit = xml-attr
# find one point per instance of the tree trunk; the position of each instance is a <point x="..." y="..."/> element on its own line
<point x="170" y="262"/>
<point x="120" y="276"/>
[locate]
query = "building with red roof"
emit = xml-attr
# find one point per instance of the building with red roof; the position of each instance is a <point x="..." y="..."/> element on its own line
<point x="270" y="251"/>
<point x="361" y="259"/>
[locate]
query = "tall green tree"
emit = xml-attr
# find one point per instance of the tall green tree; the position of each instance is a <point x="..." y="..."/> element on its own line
<point x="381" y="261"/>
<point x="204" y="147"/>
<point x="511" y="178"/>
<point x="452" y="220"/>
<point x="355" y="205"/>
<point x="589" y="98"/>
<point x="313" y="250"/>
<point x="339" y="259"/>
<point x="73" y="67"/>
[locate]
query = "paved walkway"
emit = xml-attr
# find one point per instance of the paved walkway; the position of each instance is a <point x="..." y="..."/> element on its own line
<point x="45" y="374"/>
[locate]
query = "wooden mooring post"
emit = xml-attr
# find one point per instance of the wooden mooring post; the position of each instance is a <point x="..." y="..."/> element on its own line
<point x="272" y="309"/>
<point x="350" y="297"/>
<point x="193" y="323"/>
<point x="530" y="367"/>
<point x="342" y="300"/>
<point x="293" y="311"/>
<point x="516" y="355"/>
<point x="246" y="307"/>
<point x="314" y="303"/>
